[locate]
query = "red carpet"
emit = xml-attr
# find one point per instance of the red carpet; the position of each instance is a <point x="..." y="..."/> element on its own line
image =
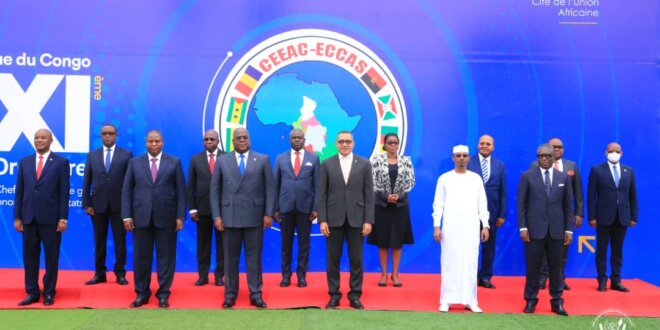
<point x="420" y="292"/>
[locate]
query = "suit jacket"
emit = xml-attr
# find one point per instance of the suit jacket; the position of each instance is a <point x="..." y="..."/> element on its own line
<point x="571" y="169"/>
<point x="495" y="186"/>
<point x="605" y="201"/>
<point x="164" y="201"/>
<point x="541" y="214"/>
<point x="243" y="200"/>
<point x="101" y="188"/>
<point x="46" y="200"/>
<point x="337" y="200"/>
<point x="404" y="183"/>
<point x="296" y="193"/>
<point x="199" y="183"/>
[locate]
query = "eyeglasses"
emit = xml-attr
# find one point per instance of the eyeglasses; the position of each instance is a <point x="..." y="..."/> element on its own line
<point x="344" y="141"/>
<point x="541" y="156"/>
<point x="209" y="139"/>
<point x="558" y="147"/>
<point x="108" y="133"/>
<point x="461" y="156"/>
<point x="392" y="143"/>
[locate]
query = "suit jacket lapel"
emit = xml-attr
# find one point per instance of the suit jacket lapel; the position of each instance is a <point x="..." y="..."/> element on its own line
<point x="145" y="164"/>
<point x="47" y="165"/>
<point x="541" y="182"/>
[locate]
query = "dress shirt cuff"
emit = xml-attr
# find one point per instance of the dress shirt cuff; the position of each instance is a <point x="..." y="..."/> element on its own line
<point x="569" y="232"/>
<point x="436" y="222"/>
<point x="127" y="219"/>
<point x="523" y="229"/>
<point x="192" y="211"/>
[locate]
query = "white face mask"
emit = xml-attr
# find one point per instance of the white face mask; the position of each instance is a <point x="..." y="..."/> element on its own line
<point x="614" y="157"/>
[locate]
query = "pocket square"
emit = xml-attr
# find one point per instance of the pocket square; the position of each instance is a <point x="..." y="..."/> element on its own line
<point x="561" y="185"/>
<point x="309" y="164"/>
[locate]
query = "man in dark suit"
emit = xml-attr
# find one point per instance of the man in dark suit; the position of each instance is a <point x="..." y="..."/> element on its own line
<point x="493" y="173"/>
<point x="345" y="203"/>
<point x="612" y="206"/>
<point x="296" y="176"/>
<point x="571" y="169"/>
<point x="104" y="176"/>
<point x="153" y="206"/>
<point x="243" y="205"/>
<point x="545" y="222"/>
<point x="200" y="171"/>
<point x="41" y="209"/>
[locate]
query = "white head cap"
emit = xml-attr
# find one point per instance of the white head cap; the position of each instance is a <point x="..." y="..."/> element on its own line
<point x="461" y="149"/>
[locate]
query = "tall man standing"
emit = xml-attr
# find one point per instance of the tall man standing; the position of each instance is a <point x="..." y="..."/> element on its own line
<point x="153" y="206"/>
<point x="612" y="206"/>
<point x="545" y="222"/>
<point x="493" y="175"/>
<point x="345" y="203"/>
<point x="200" y="171"/>
<point x="243" y="205"/>
<point x="105" y="169"/>
<point x="41" y="209"/>
<point x="296" y="177"/>
<point x="460" y="205"/>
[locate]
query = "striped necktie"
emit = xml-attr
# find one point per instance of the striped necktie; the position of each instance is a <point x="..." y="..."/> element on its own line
<point x="484" y="170"/>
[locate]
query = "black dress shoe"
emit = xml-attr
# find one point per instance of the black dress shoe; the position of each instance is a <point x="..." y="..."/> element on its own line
<point x="29" y="300"/>
<point x="485" y="283"/>
<point x="566" y="287"/>
<point x="530" y="307"/>
<point x="559" y="309"/>
<point x="258" y="302"/>
<point x="49" y="300"/>
<point x="229" y="303"/>
<point x="302" y="282"/>
<point x="602" y="286"/>
<point x="285" y="282"/>
<point x="619" y="287"/>
<point x="333" y="303"/>
<point x="202" y="281"/>
<point x="139" y="301"/>
<point x="355" y="303"/>
<point x="219" y="281"/>
<point x="96" y="280"/>
<point x="163" y="303"/>
<point x="121" y="280"/>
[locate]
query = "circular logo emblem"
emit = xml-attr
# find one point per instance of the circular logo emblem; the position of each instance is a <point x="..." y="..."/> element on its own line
<point x="612" y="319"/>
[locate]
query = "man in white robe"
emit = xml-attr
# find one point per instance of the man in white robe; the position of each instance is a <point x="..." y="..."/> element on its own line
<point x="459" y="206"/>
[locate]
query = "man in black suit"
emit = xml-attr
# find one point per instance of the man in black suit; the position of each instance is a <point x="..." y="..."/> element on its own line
<point x="296" y="178"/>
<point x="41" y="209"/>
<point x="104" y="176"/>
<point x="243" y="205"/>
<point x="545" y="222"/>
<point x="612" y="206"/>
<point x="200" y="171"/>
<point x="153" y="206"/>
<point x="345" y="203"/>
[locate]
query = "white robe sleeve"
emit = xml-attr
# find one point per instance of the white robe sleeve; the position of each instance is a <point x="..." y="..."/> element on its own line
<point x="482" y="205"/>
<point x="438" y="202"/>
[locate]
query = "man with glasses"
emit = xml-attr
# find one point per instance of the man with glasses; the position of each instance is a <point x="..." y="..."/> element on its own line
<point x="105" y="169"/>
<point x="545" y="223"/>
<point x="202" y="166"/>
<point x="345" y="203"/>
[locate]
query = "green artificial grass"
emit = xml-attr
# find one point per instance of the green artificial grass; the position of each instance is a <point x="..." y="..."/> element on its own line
<point x="288" y="319"/>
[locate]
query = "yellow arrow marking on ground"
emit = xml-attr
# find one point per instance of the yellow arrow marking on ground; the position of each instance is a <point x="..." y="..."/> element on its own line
<point x="584" y="240"/>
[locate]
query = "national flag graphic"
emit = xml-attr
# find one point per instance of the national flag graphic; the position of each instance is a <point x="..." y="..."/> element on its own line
<point x="386" y="107"/>
<point x="237" y="111"/>
<point x="229" y="146"/>
<point x="373" y="80"/>
<point x="248" y="80"/>
<point x="384" y="130"/>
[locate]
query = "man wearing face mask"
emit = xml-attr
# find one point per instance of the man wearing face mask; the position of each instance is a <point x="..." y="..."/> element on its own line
<point x="612" y="208"/>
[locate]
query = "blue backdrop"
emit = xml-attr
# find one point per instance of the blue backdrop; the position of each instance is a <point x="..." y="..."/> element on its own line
<point x="519" y="70"/>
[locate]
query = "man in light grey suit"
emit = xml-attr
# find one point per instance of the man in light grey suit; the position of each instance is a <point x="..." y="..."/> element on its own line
<point x="345" y="201"/>
<point x="242" y="205"/>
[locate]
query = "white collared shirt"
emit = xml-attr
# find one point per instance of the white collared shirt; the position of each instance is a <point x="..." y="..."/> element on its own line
<point x="44" y="159"/>
<point x="618" y="169"/>
<point x="348" y="163"/>
<point x="543" y="174"/>
<point x="238" y="158"/>
<point x="215" y="155"/>
<point x="293" y="157"/>
<point x="112" y="154"/>
<point x="560" y="165"/>
<point x="158" y="158"/>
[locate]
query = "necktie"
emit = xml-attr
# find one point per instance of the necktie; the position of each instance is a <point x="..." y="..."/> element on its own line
<point x="211" y="163"/>
<point x="107" y="159"/>
<point x="154" y="169"/>
<point x="484" y="170"/>
<point x="241" y="164"/>
<point x="40" y="166"/>
<point x="616" y="176"/>
<point x="344" y="169"/>
<point x="547" y="182"/>
<point x="556" y="165"/>
<point x="296" y="164"/>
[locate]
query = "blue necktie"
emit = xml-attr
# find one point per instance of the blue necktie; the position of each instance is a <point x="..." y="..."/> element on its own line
<point x="108" y="160"/>
<point x="616" y="176"/>
<point x="241" y="164"/>
<point x="547" y="182"/>
<point x="484" y="170"/>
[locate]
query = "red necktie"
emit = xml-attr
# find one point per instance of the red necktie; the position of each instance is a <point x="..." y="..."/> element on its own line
<point x="211" y="163"/>
<point x="296" y="164"/>
<point x="40" y="166"/>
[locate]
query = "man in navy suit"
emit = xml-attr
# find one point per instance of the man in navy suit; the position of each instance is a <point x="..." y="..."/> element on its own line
<point x="545" y="222"/>
<point x="243" y="205"/>
<point x="41" y="209"/>
<point x="493" y="173"/>
<point x="153" y="206"/>
<point x="200" y="171"/>
<point x="612" y="206"/>
<point x="104" y="176"/>
<point x="296" y="176"/>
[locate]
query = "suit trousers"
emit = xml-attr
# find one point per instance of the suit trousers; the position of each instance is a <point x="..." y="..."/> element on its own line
<point x="101" y="222"/>
<point x="205" y="231"/>
<point x="544" y="271"/>
<point x="488" y="254"/>
<point x="252" y="241"/>
<point x="534" y="251"/>
<point x="144" y="240"/>
<point x="34" y="235"/>
<point x="612" y="235"/>
<point x="334" y="249"/>
<point x="292" y="222"/>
